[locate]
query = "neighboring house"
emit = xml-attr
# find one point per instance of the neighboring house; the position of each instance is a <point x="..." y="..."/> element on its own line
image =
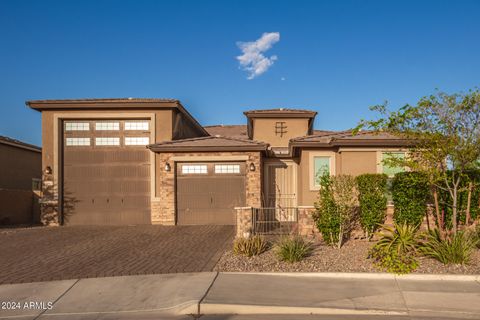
<point x="20" y="181"/>
<point x="142" y="161"/>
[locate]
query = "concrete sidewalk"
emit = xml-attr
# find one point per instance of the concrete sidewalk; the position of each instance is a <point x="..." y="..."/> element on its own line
<point x="175" y="296"/>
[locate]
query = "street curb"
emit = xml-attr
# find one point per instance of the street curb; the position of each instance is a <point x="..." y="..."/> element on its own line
<point x="216" y="308"/>
<point x="359" y="275"/>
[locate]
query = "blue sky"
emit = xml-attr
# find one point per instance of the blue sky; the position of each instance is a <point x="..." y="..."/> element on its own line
<point x="336" y="57"/>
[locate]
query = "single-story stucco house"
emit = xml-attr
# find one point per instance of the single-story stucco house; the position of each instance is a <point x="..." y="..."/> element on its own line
<point x="20" y="181"/>
<point x="148" y="161"/>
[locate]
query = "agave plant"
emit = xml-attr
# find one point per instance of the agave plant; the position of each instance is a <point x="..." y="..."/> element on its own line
<point x="396" y="249"/>
<point x="401" y="238"/>
<point x="454" y="248"/>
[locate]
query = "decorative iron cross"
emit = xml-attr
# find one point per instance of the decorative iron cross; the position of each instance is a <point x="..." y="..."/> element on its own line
<point x="280" y="128"/>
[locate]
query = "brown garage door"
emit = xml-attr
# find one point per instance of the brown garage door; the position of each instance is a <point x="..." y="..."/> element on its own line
<point x="208" y="192"/>
<point x="106" y="174"/>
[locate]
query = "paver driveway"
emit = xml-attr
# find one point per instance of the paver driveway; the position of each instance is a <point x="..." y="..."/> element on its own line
<point x="54" y="253"/>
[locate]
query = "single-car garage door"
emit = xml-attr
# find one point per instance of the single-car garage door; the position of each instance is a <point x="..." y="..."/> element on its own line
<point x="208" y="192"/>
<point x="106" y="176"/>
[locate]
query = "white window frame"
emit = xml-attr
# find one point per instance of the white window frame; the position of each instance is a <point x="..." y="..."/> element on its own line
<point x="107" y="126"/>
<point x="227" y="168"/>
<point x="194" y="168"/>
<point x="107" y="141"/>
<point x="136" y="141"/>
<point x="136" y="126"/>
<point x="380" y="158"/>
<point x="78" y="142"/>
<point x="311" y="167"/>
<point x="77" y="126"/>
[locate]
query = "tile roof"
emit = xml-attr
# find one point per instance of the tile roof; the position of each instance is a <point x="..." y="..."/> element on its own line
<point x="233" y="131"/>
<point x="281" y="111"/>
<point x="211" y="143"/>
<point x="19" y="144"/>
<point x="347" y="137"/>
<point x="103" y="100"/>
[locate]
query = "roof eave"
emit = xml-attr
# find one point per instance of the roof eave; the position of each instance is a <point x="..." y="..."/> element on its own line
<point x="21" y="146"/>
<point x="280" y="115"/>
<point x="170" y="148"/>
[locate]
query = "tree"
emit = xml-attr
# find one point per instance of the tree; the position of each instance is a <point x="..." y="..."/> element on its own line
<point x="445" y="133"/>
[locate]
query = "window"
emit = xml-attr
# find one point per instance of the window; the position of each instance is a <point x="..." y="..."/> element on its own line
<point x="77" y="142"/>
<point x="77" y="126"/>
<point x="136" y="141"/>
<point x="321" y="164"/>
<point x="36" y="184"/>
<point x="107" y="141"/>
<point x="107" y="126"/>
<point x="227" y="168"/>
<point x="136" y="125"/>
<point x="194" y="169"/>
<point x="280" y="128"/>
<point x="392" y="170"/>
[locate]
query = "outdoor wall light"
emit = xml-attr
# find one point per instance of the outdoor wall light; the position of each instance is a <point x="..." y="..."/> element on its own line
<point x="167" y="167"/>
<point x="252" y="167"/>
<point x="48" y="170"/>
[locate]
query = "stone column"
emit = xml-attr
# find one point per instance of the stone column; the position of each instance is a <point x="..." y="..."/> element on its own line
<point x="244" y="222"/>
<point x="306" y="225"/>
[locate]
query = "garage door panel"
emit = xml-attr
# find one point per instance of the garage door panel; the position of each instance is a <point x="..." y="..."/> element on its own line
<point x="106" y="184"/>
<point x="209" y="198"/>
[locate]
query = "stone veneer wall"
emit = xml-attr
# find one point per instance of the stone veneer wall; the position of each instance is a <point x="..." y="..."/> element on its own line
<point x="163" y="208"/>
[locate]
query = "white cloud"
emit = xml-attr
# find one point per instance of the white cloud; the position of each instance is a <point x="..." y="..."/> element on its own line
<point x="252" y="59"/>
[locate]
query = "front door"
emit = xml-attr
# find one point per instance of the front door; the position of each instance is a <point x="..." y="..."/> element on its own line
<point x="280" y="184"/>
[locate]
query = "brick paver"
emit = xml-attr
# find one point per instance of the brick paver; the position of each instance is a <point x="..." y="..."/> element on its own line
<point x="55" y="253"/>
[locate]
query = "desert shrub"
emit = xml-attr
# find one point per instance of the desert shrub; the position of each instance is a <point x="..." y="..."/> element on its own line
<point x="451" y="248"/>
<point x="410" y="193"/>
<point x="372" y="200"/>
<point x="250" y="246"/>
<point x="395" y="251"/>
<point x="293" y="249"/>
<point x="336" y="211"/>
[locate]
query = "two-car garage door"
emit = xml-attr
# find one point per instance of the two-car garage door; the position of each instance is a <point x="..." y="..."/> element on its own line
<point x="208" y="192"/>
<point x="106" y="172"/>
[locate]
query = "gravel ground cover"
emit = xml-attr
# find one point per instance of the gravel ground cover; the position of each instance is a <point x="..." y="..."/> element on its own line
<point x="352" y="257"/>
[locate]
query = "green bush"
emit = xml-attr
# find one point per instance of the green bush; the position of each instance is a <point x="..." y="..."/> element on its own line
<point x="250" y="246"/>
<point x="454" y="248"/>
<point x="410" y="193"/>
<point x="372" y="197"/>
<point x="336" y="211"/>
<point x="293" y="249"/>
<point x="325" y="216"/>
<point x="396" y="249"/>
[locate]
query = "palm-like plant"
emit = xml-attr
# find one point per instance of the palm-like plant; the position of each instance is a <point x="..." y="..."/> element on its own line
<point x="396" y="249"/>
<point x="401" y="238"/>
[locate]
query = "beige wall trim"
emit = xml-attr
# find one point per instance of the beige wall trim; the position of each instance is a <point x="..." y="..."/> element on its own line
<point x="57" y="117"/>
<point x="311" y="163"/>
<point x="306" y="207"/>
<point x="210" y="158"/>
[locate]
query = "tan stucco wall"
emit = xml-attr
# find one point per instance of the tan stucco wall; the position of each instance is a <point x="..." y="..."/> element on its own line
<point x="163" y="208"/>
<point x="264" y="130"/>
<point x="358" y="162"/>
<point x="18" y="166"/>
